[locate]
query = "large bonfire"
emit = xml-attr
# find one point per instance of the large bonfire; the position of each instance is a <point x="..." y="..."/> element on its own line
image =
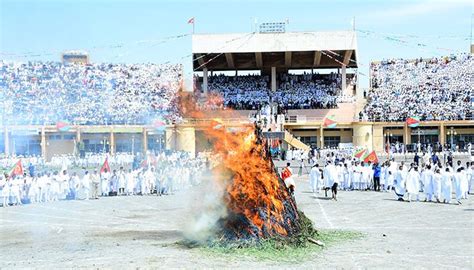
<point x="259" y="206"/>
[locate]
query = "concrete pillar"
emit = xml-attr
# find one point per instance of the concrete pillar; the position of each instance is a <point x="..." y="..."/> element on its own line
<point x="112" y="141"/>
<point x="343" y="82"/>
<point x="363" y="136"/>
<point x="274" y="79"/>
<point x="170" y="139"/>
<point x="204" y="81"/>
<point x="43" y="143"/>
<point x="378" y="139"/>
<point x="406" y="134"/>
<point x="321" y="137"/>
<point x="442" y="134"/>
<point x="6" y="138"/>
<point x="78" y="134"/>
<point x="145" y="140"/>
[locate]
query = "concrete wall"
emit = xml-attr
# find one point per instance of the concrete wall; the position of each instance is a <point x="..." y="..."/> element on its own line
<point x="202" y="142"/>
<point x="58" y="147"/>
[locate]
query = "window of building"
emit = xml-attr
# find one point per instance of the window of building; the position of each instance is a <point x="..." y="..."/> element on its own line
<point x="332" y="141"/>
<point x="54" y="137"/>
<point x="309" y="140"/>
<point x="69" y="137"/>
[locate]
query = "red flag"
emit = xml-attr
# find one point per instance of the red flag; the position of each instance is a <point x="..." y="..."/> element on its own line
<point x="285" y="173"/>
<point x="191" y="21"/>
<point x="413" y="121"/>
<point x="329" y="122"/>
<point x="359" y="153"/>
<point x="17" y="169"/>
<point x="275" y="143"/>
<point x="372" y="157"/>
<point x="105" y="166"/>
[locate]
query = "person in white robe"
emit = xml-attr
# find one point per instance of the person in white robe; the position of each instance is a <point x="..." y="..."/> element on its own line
<point x="95" y="185"/>
<point x="122" y="182"/>
<point x="366" y="175"/>
<point x="413" y="183"/>
<point x="47" y="187"/>
<point x="399" y="183"/>
<point x="460" y="184"/>
<point x="55" y="187"/>
<point x="63" y="184"/>
<point x="357" y="176"/>
<point x="104" y="182"/>
<point x="330" y="177"/>
<point x="130" y="178"/>
<point x="346" y="177"/>
<point x="5" y="191"/>
<point x="86" y="185"/>
<point x="446" y="185"/>
<point x="74" y="184"/>
<point x="470" y="176"/>
<point x="16" y="188"/>
<point x="33" y="191"/>
<point x="437" y="180"/>
<point x="383" y="176"/>
<point x="315" y="179"/>
<point x="340" y="175"/>
<point x="427" y="180"/>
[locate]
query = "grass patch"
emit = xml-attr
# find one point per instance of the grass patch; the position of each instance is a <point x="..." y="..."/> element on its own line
<point x="277" y="250"/>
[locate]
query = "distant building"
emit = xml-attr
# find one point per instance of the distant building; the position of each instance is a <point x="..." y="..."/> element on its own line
<point x="76" y="57"/>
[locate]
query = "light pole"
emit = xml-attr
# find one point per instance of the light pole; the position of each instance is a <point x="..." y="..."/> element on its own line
<point x="388" y="135"/>
<point x="452" y="133"/>
<point x="105" y="142"/>
<point x="133" y="144"/>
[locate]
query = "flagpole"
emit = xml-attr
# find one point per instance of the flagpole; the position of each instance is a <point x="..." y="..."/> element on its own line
<point x="194" y="22"/>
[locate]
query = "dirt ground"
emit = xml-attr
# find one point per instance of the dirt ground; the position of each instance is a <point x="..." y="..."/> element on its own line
<point x="140" y="232"/>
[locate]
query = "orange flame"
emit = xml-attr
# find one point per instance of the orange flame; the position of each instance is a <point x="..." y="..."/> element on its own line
<point x="254" y="190"/>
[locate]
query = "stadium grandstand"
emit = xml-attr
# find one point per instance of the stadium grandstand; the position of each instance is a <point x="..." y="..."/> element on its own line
<point x="301" y="86"/>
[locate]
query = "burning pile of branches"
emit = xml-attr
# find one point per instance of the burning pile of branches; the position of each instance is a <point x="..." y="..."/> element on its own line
<point x="258" y="204"/>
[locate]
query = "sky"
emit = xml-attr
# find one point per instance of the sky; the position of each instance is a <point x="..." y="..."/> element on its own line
<point x="157" y="31"/>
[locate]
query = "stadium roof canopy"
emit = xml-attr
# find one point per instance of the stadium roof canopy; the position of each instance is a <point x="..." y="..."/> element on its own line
<point x="290" y="50"/>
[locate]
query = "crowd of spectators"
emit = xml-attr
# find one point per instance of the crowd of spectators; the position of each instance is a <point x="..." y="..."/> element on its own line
<point x="47" y="92"/>
<point x="433" y="89"/>
<point x="252" y="92"/>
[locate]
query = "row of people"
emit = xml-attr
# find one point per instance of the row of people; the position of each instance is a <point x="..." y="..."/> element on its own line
<point x="160" y="176"/>
<point x="436" y="182"/>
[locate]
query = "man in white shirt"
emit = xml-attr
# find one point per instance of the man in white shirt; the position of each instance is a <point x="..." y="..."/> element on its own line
<point x="315" y="178"/>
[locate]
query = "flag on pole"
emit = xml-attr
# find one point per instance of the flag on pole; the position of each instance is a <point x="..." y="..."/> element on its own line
<point x="17" y="169"/>
<point x="191" y="21"/>
<point x="413" y="121"/>
<point x="63" y="126"/>
<point x="217" y="123"/>
<point x="359" y="154"/>
<point x="329" y="122"/>
<point x="372" y="157"/>
<point x="159" y="124"/>
<point x="105" y="166"/>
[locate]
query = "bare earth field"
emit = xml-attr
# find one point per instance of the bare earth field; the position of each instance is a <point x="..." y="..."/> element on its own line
<point x="132" y="232"/>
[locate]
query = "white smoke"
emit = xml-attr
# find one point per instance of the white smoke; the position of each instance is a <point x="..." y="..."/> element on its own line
<point x="208" y="208"/>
